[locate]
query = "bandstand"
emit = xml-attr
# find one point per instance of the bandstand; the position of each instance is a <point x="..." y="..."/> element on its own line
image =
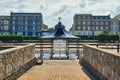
<point x="59" y="41"/>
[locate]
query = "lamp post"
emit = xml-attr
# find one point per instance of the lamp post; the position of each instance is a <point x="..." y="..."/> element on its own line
<point x="118" y="45"/>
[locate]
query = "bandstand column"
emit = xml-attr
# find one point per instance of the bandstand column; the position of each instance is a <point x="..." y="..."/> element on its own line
<point x="51" y="48"/>
<point x="41" y="50"/>
<point x="67" y="48"/>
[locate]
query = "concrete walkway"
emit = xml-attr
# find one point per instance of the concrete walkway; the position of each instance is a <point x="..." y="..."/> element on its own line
<point x="56" y="70"/>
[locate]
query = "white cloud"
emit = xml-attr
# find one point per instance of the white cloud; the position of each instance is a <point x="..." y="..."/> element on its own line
<point x="52" y="9"/>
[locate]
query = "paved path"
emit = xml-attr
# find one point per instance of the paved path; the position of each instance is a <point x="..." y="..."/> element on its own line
<point x="56" y="70"/>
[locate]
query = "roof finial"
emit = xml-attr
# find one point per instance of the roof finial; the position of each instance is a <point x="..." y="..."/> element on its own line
<point x="59" y="18"/>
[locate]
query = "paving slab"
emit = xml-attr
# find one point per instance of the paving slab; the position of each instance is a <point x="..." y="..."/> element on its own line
<point x="56" y="70"/>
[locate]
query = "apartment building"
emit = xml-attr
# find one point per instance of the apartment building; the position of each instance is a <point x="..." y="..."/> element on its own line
<point x="4" y="24"/>
<point x="115" y="26"/>
<point x="27" y="24"/>
<point x="88" y="24"/>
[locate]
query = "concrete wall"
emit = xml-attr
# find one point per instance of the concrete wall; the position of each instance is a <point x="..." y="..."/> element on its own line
<point x="15" y="61"/>
<point x="105" y="65"/>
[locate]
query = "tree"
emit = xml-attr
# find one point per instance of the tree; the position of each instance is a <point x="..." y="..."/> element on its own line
<point x="104" y="32"/>
<point x="50" y="29"/>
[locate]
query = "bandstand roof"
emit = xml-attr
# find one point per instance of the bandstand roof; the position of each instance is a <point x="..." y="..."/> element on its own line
<point x="59" y="32"/>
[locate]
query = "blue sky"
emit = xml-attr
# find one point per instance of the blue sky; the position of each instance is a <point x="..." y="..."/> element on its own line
<point x="52" y="9"/>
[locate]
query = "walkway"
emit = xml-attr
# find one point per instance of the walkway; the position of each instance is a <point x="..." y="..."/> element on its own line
<point x="56" y="70"/>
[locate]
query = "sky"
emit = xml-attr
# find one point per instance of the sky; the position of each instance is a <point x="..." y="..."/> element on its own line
<point x="66" y="9"/>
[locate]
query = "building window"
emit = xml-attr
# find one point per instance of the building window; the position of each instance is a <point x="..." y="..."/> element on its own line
<point x="101" y="17"/>
<point x="13" y="33"/>
<point x="38" y="22"/>
<point x="88" y="22"/>
<point x="112" y="22"/>
<point x="30" y="28"/>
<point x="18" y="22"/>
<point x="5" y="28"/>
<point x="16" y="27"/>
<point x="26" y="22"/>
<point x="88" y="17"/>
<point x="101" y="28"/>
<point x="26" y="17"/>
<point x="33" y="33"/>
<point x="13" y="27"/>
<point x="93" y="18"/>
<point x="101" y="23"/>
<point x="33" y="27"/>
<point x="89" y="28"/>
<point x="106" y="27"/>
<point x="19" y="17"/>
<point x="21" y="22"/>
<point x="106" y="23"/>
<point x="114" y="29"/>
<point x="97" y="18"/>
<point x="83" y="33"/>
<point x="26" y="34"/>
<point x="78" y="23"/>
<point x="26" y="28"/>
<point x="92" y="23"/>
<point x="19" y="32"/>
<point x="14" y="17"/>
<point x="6" y="22"/>
<point x="111" y="28"/>
<point x="106" y="18"/>
<point x="97" y="23"/>
<point x="78" y="17"/>
<point x="38" y="28"/>
<point x="116" y="23"/>
<point x="20" y="27"/>
<point x="83" y="17"/>
<point x="13" y="22"/>
<point x="84" y="22"/>
<point x="83" y="28"/>
<point x="33" y="22"/>
<point x="117" y="28"/>
<point x="96" y="27"/>
<point x="93" y="28"/>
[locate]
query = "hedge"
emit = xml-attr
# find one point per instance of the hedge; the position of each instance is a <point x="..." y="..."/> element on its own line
<point x="31" y="38"/>
<point x="108" y="37"/>
<point x="11" y="38"/>
<point x="17" y="38"/>
<point x="85" y="37"/>
<point x="101" y="37"/>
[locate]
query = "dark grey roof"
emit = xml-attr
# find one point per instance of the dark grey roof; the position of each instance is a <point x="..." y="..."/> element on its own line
<point x="59" y="32"/>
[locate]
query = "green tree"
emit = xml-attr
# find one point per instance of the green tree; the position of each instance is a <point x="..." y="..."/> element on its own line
<point x="50" y="29"/>
<point x="105" y="32"/>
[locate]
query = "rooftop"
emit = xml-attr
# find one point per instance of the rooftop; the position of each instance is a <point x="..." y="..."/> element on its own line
<point x="59" y="32"/>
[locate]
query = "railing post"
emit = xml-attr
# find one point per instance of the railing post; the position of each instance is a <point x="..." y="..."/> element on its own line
<point x="78" y="48"/>
<point x="97" y="45"/>
<point x="118" y="48"/>
<point x="41" y="51"/>
<point x="51" y="50"/>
